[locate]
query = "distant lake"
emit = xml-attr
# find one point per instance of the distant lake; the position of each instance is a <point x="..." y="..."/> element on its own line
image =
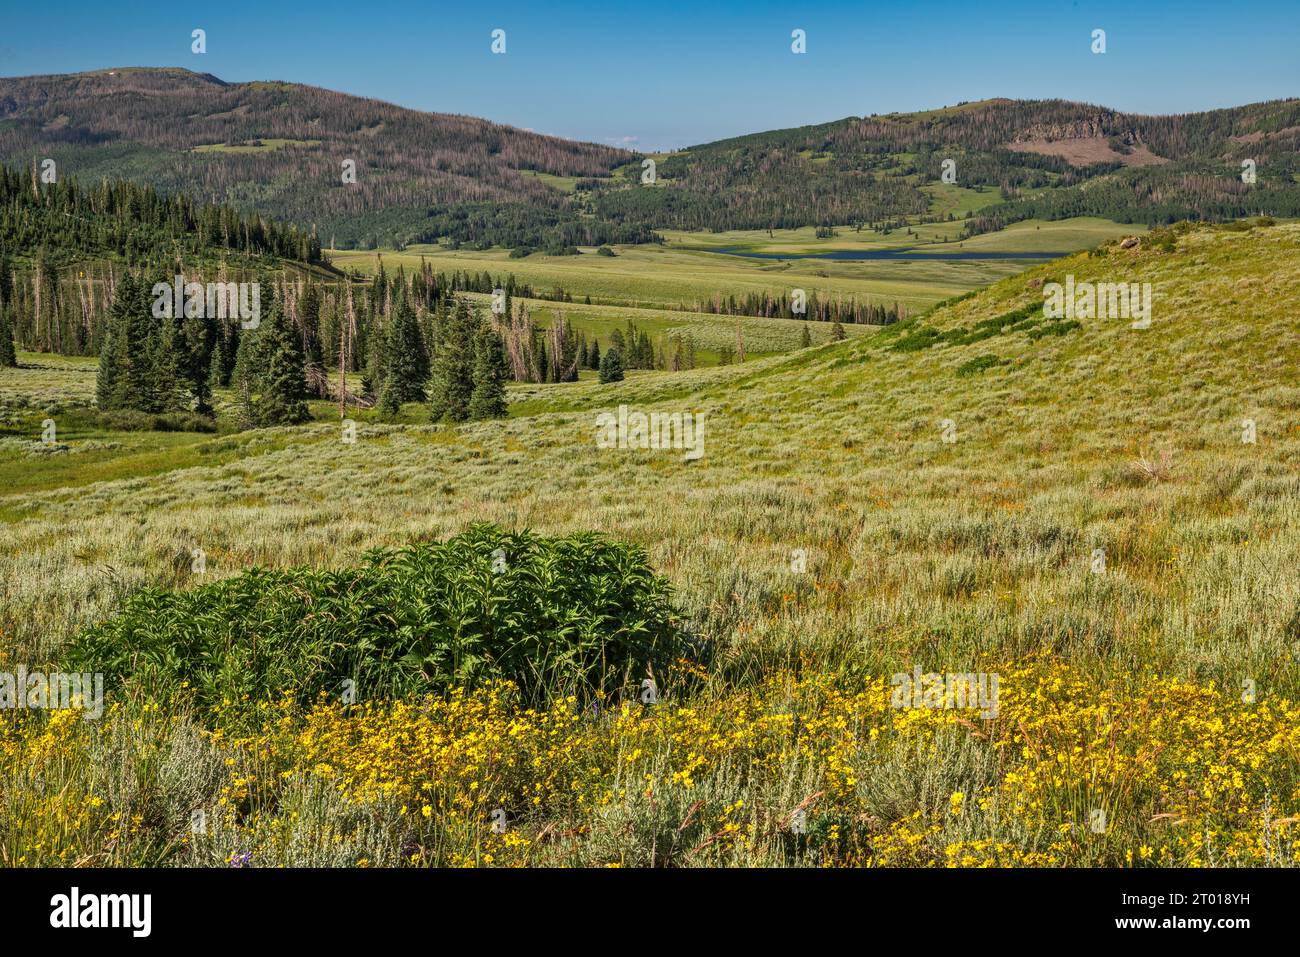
<point x="906" y="252"/>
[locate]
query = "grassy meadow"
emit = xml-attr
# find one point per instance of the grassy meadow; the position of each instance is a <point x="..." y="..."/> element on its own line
<point x="682" y="272"/>
<point x="861" y="509"/>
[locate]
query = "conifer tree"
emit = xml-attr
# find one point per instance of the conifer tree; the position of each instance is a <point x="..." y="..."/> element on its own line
<point x="805" y="337"/>
<point x="569" y="368"/>
<point x="216" y="369"/>
<point x="283" y="383"/>
<point x="376" y="364"/>
<point x="165" y="357"/>
<point x="245" y="375"/>
<point x="453" y="367"/>
<point x="488" y="400"/>
<point x="110" y="380"/>
<point x="137" y="347"/>
<point x="119" y="383"/>
<point x="406" y="363"/>
<point x="199" y="344"/>
<point x="611" y="366"/>
<point x="379" y="288"/>
<point x="8" y="351"/>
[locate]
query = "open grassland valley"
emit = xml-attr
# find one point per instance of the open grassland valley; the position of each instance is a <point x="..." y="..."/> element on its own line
<point x="449" y="558"/>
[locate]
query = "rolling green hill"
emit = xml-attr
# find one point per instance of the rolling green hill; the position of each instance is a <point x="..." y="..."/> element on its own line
<point x="1167" y="450"/>
<point x="1047" y="430"/>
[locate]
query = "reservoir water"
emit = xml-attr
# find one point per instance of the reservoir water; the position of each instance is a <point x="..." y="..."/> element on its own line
<point x="902" y="253"/>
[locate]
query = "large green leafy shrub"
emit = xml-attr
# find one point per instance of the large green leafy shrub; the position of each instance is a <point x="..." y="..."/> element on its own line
<point x="580" y="615"/>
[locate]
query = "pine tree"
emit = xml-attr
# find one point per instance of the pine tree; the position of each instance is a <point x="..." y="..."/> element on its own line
<point x="453" y="367"/>
<point x="200" y="345"/>
<point x="379" y="288"/>
<point x="593" y="357"/>
<point x="111" y="386"/>
<point x="283" y="383"/>
<point x="216" y="368"/>
<point x="406" y="362"/>
<point x="248" y="367"/>
<point x="491" y="371"/>
<point x="805" y="337"/>
<point x="137" y="347"/>
<point x="8" y="352"/>
<point x="228" y="340"/>
<point x="837" y="332"/>
<point x="166" y="353"/>
<point x="110" y="378"/>
<point x="611" y="366"/>
<point x="376" y="351"/>
<point x="246" y="374"/>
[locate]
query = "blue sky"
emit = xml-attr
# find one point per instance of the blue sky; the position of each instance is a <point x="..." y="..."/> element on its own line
<point x="666" y="74"/>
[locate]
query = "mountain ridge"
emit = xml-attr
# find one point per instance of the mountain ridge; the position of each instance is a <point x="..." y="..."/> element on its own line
<point x="281" y="149"/>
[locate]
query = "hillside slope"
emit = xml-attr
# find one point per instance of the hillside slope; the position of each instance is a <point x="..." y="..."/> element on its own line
<point x="1095" y="436"/>
<point x="278" y="148"/>
<point x="1099" y="535"/>
<point x="1038" y="158"/>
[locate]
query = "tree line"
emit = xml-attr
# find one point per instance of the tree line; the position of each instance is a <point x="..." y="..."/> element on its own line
<point x="1152" y="195"/>
<point x="781" y="306"/>
<point x="136" y="223"/>
<point x="408" y="338"/>
<point x="175" y="362"/>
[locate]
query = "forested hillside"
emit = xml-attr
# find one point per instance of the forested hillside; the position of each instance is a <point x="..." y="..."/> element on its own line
<point x="64" y="221"/>
<point x="1047" y="158"/>
<point x="282" y="150"/>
